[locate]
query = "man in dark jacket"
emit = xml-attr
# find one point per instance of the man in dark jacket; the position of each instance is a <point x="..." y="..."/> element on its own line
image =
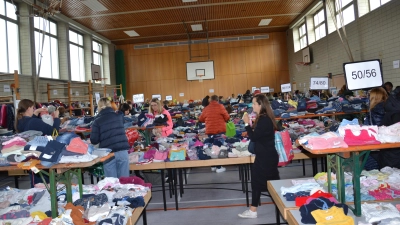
<point x="391" y="157"/>
<point x="247" y="97"/>
<point x="108" y="131"/>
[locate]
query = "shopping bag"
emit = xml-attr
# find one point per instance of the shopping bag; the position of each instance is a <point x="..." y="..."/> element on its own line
<point x="230" y="129"/>
<point x="282" y="139"/>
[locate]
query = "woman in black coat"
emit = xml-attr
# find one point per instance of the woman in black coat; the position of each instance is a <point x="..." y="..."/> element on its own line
<point x="108" y="131"/>
<point x="265" y="166"/>
<point x="206" y="101"/>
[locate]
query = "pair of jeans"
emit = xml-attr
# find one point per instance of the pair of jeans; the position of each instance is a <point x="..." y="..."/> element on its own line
<point x="118" y="166"/>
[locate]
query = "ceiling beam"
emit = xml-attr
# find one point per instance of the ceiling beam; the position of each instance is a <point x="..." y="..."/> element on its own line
<point x="172" y="8"/>
<point x="185" y="34"/>
<point x="214" y="20"/>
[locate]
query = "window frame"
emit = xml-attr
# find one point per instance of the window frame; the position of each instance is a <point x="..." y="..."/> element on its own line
<point x="101" y="54"/>
<point x="323" y="23"/>
<point x="380" y="4"/>
<point x="304" y="35"/>
<point x="16" y="22"/>
<point x="83" y="55"/>
<point x="351" y="3"/>
<point x="53" y="36"/>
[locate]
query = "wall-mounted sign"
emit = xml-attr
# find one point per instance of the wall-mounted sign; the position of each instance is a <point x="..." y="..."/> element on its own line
<point x="77" y="93"/>
<point x="156" y="96"/>
<point x="54" y="92"/>
<point x="211" y="90"/>
<point x="181" y="94"/>
<point x="7" y="88"/>
<point x="138" y="98"/>
<point x="168" y="97"/>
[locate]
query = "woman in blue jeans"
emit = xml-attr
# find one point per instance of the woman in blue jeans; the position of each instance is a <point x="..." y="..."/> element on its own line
<point x="108" y="131"/>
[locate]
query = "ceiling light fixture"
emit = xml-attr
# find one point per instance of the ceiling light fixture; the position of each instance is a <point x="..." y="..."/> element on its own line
<point x="131" y="33"/>
<point x="196" y="27"/>
<point x="184" y="1"/>
<point x="265" y="22"/>
<point x="94" y="5"/>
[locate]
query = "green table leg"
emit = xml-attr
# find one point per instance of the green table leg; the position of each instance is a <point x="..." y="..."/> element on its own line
<point x="331" y="164"/>
<point x="340" y="179"/>
<point x="79" y="175"/>
<point x="53" y="193"/>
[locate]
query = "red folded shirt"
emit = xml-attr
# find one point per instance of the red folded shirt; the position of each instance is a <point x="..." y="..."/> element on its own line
<point x="302" y="200"/>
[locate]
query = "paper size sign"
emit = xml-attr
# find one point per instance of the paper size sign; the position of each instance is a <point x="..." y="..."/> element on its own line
<point x="77" y="93"/>
<point x="211" y="90"/>
<point x="7" y="88"/>
<point x="363" y="74"/>
<point x="319" y="83"/>
<point x="168" y="97"/>
<point x="286" y="87"/>
<point x="138" y="98"/>
<point x="181" y="94"/>
<point x="54" y="92"/>
<point x="253" y="89"/>
<point x="264" y="89"/>
<point x="271" y="90"/>
<point x="156" y="96"/>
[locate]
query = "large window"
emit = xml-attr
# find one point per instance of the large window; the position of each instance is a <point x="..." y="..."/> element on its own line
<point x="347" y="9"/>
<point x="77" y="62"/>
<point x="303" y="36"/>
<point x="46" y="46"/>
<point x="373" y="4"/>
<point x="319" y="25"/>
<point x="9" y="57"/>
<point x="98" y="55"/>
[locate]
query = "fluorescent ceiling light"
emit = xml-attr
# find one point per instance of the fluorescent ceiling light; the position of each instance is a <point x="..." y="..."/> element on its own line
<point x="189" y="1"/>
<point x="94" y="5"/>
<point x="131" y="33"/>
<point x="196" y="27"/>
<point x="264" y="22"/>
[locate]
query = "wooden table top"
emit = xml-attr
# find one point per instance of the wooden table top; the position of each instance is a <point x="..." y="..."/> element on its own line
<point x="359" y="148"/>
<point x="137" y="212"/>
<point x="318" y="115"/>
<point x="63" y="165"/>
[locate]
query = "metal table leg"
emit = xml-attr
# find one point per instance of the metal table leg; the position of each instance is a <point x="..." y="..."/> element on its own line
<point x="180" y="182"/>
<point x="144" y="216"/>
<point x="163" y="190"/>
<point x="176" y="193"/>
<point x="247" y="186"/>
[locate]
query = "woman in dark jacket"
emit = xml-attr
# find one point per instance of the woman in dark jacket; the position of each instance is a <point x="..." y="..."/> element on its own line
<point x="265" y="166"/>
<point x="247" y="97"/>
<point x="377" y="99"/>
<point x="206" y="101"/>
<point x="108" y="130"/>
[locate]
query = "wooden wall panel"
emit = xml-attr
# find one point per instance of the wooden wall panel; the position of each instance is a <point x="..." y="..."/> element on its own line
<point x="240" y="84"/>
<point x="238" y="65"/>
<point x="225" y="85"/>
<point x="181" y="86"/>
<point x="238" y="60"/>
<point x="253" y="59"/>
<point x="254" y="80"/>
<point x="267" y="58"/>
<point x="168" y="88"/>
<point x="196" y="90"/>
<point x="180" y="59"/>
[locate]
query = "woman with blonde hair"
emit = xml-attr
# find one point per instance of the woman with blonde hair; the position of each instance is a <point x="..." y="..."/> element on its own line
<point x="377" y="99"/>
<point x="157" y="109"/>
<point x="108" y="131"/>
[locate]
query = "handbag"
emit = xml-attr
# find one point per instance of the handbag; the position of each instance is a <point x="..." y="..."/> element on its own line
<point x="132" y="136"/>
<point x="230" y="129"/>
<point x="177" y="155"/>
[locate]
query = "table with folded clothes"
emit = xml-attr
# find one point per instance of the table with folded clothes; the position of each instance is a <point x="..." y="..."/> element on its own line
<point x="302" y="106"/>
<point x="350" y="147"/>
<point x="64" y="157"/>
<point x="297" y="199"/>
<point x="111" y="201"/>
<point x="190" y="147"/>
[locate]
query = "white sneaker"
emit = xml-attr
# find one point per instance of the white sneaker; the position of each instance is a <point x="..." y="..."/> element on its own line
<point x="213" y="169"/>
<point x="220" y="170"/>
<point x="248" y="214"/>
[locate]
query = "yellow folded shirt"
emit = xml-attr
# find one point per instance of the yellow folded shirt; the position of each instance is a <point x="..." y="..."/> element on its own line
<point x="332" y="216"/>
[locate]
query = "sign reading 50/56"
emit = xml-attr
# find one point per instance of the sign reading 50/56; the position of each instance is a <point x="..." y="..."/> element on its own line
<point x="362" y="75"/>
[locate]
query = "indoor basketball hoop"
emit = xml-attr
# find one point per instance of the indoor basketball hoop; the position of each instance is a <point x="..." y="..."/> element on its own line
<point x="300" y="65"/>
